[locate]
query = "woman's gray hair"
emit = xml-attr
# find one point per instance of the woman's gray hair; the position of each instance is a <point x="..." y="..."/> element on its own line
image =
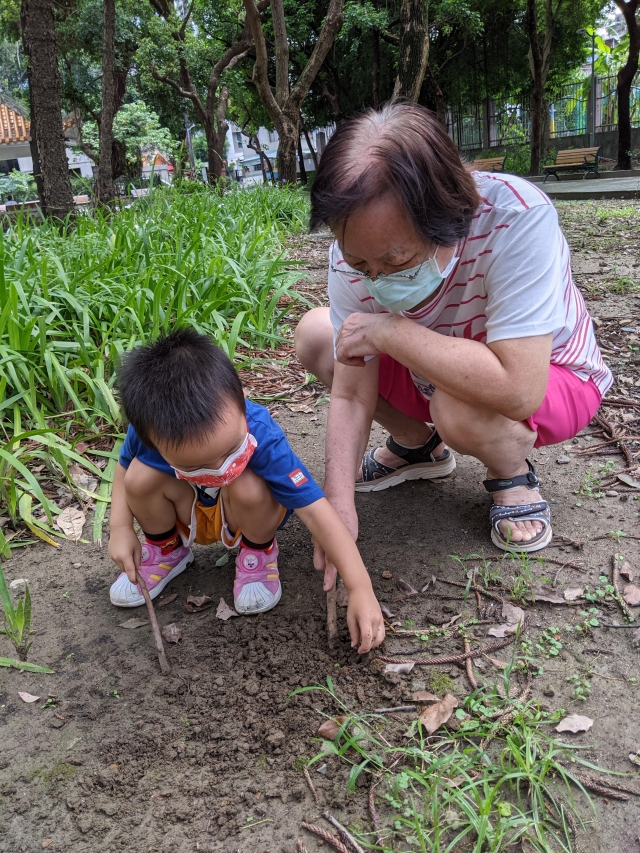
<point x="403" y="151"/>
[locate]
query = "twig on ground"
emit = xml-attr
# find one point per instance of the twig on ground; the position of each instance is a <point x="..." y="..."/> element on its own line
<point x="616" y="559"/>
<point x="620" y="401"/>
<point x="300" y="846"/>
<point x="394" y="710"/>
<point x="598" y="787"/>
<point x="375" y="821"/>
<point x="344" y="833"/>
<point x="332" y="617"/>
<point x="157" y="636"/>
<point x="498" y="598"/>
<point x="312" y="787"/>
<point x="473" y="681"/>
<point x="452" y="658"/>
<point x="333" y="840"/>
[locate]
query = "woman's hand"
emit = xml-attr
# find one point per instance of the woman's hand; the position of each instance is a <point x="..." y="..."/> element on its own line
<point x="125" y="550"/>
<point x="357" y="337"/>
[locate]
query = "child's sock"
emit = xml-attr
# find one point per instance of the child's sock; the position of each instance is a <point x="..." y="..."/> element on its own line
<point x="167" y="542"/>
<point x="266" y="546"/>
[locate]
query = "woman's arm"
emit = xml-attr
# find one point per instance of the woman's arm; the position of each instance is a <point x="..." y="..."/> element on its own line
<point x="364" y="617"/>
<point x="508" y="376"/>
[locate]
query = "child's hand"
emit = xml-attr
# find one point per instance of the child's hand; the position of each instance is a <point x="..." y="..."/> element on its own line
<point x="364" y="619"/>
<point x="125" y="550"/>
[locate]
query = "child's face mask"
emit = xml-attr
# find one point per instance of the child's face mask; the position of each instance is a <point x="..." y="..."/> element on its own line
<point x="232" y="467"/>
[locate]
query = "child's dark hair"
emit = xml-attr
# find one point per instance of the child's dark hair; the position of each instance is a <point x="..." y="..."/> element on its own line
<point x="178" y="388"/>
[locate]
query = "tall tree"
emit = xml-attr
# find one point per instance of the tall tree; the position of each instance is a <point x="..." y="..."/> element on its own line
<point x="626" y="74"/>
<point x="105" y="188"/>
<point x="540" y="43"/>
<point x="414" y="48"/>
<point x="39" y="35"/>
<point x="285" y="104"/>
<point x="211" y="110"/>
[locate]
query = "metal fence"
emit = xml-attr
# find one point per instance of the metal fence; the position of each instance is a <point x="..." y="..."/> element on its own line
<point x="498" y="123"/>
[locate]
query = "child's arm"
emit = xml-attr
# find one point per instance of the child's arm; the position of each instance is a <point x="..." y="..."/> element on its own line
<point x="124" y="545"/>
<point x="364" y="617"/>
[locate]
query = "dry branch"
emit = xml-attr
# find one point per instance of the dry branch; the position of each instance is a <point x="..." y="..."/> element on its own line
<point x="157" y="636"/>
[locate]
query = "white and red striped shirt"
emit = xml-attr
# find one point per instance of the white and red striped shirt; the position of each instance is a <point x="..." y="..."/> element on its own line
<point x="512" y="280"/>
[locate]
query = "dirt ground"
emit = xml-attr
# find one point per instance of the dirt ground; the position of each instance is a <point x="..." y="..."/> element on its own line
<point x="210" y="758"/>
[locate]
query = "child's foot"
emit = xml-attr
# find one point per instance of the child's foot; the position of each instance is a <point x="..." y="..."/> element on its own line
<point x="156" y="568"/>
<point x="257" y="586"/>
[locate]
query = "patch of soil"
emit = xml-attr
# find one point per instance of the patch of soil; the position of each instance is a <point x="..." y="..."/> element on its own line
<point x="210" y="758"/>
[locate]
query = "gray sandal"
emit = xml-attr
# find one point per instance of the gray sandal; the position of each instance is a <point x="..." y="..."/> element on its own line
<point x="419" y="464"/>
<point x="538" y="511"/>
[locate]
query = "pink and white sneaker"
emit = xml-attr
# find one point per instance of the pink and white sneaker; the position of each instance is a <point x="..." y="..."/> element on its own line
<point x="257" y="586"/>
<point x="156" y="568"/>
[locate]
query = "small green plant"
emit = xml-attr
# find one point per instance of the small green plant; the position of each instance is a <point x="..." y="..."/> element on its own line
<point x="440" y="683"/>
<point x="300" y="763"/>
<point x="50" y="702"/>
<point x="17" y="620"/>
<point x="581" y="683"/>
<point x="549" y="643"/>
<point x="590" y="484"/>
<point x="60" y="772"/>
<point x="622" y="286"/>
<point x="605" y="591"/>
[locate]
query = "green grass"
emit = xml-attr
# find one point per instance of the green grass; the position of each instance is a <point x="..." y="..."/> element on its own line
<point x="72" y="300"/>
<point x="495" y="780"/>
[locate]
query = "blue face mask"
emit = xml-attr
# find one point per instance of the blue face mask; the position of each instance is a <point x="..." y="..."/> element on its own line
<point x="403" y="291"/>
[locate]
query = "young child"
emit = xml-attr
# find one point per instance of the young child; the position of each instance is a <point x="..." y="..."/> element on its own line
<point x="201" y="464"/>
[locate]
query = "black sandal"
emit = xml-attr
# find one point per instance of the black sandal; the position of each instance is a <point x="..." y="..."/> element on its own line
<point x="420" y="464"/>
<point x="538" y="511"/>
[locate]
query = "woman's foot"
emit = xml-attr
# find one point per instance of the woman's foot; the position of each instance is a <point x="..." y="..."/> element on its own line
<point x="525" y="522"/>
<point x="395" y="463"/>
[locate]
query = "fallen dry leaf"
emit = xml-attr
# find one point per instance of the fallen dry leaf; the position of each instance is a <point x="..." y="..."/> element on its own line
<point x="543" y="594"/>
<point x="406" y="587"/>
<point x="82" y="478"/>
<point x="513" y="615"/>
<point x="134" y="622"/>
<point x="167" y="600"/>
<point x="400" y="668"/>
<point x="172" y="632"/>
<point x="573" y="593"/>
<point x="71" y="521"/>
<point x="501" y="664"/>
<point x="574" y="723"/>
<point x="501" y="631"/>
<point x="386" y="575"/>
<point x="436" y="715"/>
<point x="629" y="481"/>
<point x="386" y="612"/>
<point x="424" y="696"/>
<point x="81" y="447"/>
<point x="224" y="612"/>
<point x="196" y="603"/>
<point x="631" y="595"/>
<point x="626" y="571"/>
<point x="27" y="697"/>
<point x="330" y="728"/>
<point x="46" y="842"/>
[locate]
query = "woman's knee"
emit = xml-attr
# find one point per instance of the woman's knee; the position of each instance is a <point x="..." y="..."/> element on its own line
<point x="314" y="341"/>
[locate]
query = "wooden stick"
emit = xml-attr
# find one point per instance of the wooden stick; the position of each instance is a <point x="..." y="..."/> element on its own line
<point x="333" y="840"/>
<point x="157" y="636"/>
<point x="473" y="681"/>
<point x="616" y="559"/>
<point x="332" y="617"/>
<point x="344" y="833"/>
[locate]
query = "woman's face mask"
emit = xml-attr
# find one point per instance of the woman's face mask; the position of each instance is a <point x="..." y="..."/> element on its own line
<point x="402" y="291"/>
<point x="230" y="470"/>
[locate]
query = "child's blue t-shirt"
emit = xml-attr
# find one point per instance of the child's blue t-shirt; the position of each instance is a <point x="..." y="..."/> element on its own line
<point x="273" y="460"/>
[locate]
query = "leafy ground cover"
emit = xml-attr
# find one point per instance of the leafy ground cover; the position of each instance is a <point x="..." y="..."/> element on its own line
<point x="72" y="301"/>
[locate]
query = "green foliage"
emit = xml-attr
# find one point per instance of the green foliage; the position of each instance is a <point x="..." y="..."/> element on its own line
<point x="13" y="72"/>
<point x="590" y="483"/>
<point x="17" y="620"/>
<point x="19" y="185"/>
<point x="72" y="301"/>
<point x="139" y="129"/>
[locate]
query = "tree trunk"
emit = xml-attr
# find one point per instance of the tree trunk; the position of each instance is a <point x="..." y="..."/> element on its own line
<point x="414" y="48"/>
<point x="39" y="35"/>
<point x="537" y="125"/>
<point x="437" y="96"/>
<point x="303" y="171"/>
<point x="625" y="81"/>
<point x="375" y="71"/>
<point x="312" y="150"/>
<point x="288" y="134"/>
<point x="33" y="147"/>
<point x="105" y="188"/>
<point x="539" y="62"/>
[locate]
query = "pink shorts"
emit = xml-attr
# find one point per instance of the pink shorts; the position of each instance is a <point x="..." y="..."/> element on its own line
<point x="568" y="405"/>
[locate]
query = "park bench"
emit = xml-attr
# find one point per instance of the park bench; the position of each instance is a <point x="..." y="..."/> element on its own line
<point x="575" y="160"/>
<point x="489" y="164"/>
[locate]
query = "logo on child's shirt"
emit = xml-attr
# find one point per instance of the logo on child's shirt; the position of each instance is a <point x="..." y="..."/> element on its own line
<point x="298" y="477"/>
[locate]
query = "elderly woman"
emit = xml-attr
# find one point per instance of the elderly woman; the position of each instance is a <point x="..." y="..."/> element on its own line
<point x="452" y="305"/>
